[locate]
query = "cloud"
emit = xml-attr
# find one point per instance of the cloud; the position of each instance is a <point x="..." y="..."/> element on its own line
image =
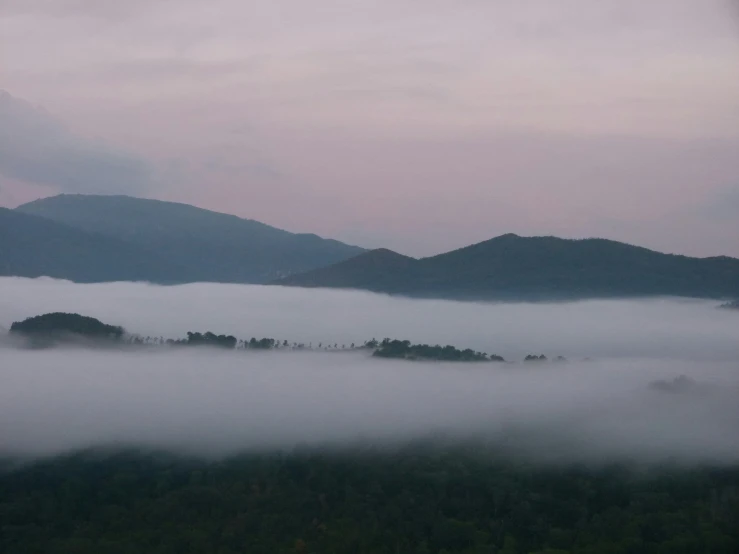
<point x="37" y="148"/>
<point x="218" y="403"/>
<point x="726" y="202"/>
<point x="78" y="8"/>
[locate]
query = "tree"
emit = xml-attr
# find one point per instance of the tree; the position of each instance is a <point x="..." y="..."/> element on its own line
<point x="211" y="339"/>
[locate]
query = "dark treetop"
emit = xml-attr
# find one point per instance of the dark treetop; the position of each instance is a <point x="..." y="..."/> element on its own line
<point x="60" y="324"/>
<point x="403" y="349"/>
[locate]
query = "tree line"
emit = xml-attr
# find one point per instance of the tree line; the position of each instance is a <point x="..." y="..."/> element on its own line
<point x="53" y="328"/>
<point x="403" y="349"/>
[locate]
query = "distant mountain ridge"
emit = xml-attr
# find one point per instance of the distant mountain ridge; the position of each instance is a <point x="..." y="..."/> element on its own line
<point x="536" y="268"/>
<point x="88" y="238"/>
<point x="185" y="243"/>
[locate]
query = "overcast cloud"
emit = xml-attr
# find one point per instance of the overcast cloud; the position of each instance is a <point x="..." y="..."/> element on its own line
<point x="617" y="118"/>
<point x="36" y="148"/>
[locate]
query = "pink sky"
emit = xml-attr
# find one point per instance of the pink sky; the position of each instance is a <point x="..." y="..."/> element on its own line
<point x="418" y="125"/>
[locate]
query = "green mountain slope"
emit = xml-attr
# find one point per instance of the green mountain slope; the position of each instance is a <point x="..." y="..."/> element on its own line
<point x="203" y="245"/>
<point x="543" y="268"/>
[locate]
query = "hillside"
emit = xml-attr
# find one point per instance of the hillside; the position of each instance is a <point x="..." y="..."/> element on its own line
<point x="202" y="245"/>
<point x="377" y="270"/>
<point x="513" y="267"/>
<point x="32" y="246"/>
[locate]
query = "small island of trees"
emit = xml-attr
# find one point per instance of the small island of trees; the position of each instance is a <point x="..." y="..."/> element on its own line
<point x="51" y="329"/>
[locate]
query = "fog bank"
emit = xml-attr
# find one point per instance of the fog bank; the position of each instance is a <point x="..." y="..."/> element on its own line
<point x="658" y="328"/>
<point x="216" y="403"/>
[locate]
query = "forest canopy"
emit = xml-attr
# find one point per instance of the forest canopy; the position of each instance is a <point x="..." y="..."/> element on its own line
<point x="415" y="500"/>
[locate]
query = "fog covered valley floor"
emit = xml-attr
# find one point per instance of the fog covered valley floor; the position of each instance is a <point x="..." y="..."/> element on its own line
<point x="212" y="450"/>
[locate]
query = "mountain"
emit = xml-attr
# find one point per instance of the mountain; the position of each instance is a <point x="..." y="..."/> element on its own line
<point x="89" y="238"/>
<point x="536" y="268"/>
<point x="32" y="246"/>
<point x="202" y="245"/>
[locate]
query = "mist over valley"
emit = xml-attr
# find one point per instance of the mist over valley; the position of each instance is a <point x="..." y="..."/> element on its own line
<point x="369" y="277"/>
<point x="600" y="405"/>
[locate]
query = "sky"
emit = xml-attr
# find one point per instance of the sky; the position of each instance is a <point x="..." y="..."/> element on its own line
<point x="419" y="126"/>
<point x="214" y="402"/>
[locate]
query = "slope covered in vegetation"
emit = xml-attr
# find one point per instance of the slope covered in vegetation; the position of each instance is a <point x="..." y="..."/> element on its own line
<point x="416" y="500"/>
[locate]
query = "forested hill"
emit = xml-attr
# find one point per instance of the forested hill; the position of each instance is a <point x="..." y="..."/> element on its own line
<point x="536" y="268"/>
<point x="197" y="244"/>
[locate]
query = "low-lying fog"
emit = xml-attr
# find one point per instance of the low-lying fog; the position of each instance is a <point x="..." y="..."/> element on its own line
<point x="214" y="402"/>
<point x="658" y="328"/>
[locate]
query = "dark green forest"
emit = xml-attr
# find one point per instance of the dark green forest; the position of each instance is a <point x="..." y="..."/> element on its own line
<point x="420" y="499"/>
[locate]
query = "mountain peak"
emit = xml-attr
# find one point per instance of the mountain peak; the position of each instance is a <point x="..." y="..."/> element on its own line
<point x="383" y="254"/>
